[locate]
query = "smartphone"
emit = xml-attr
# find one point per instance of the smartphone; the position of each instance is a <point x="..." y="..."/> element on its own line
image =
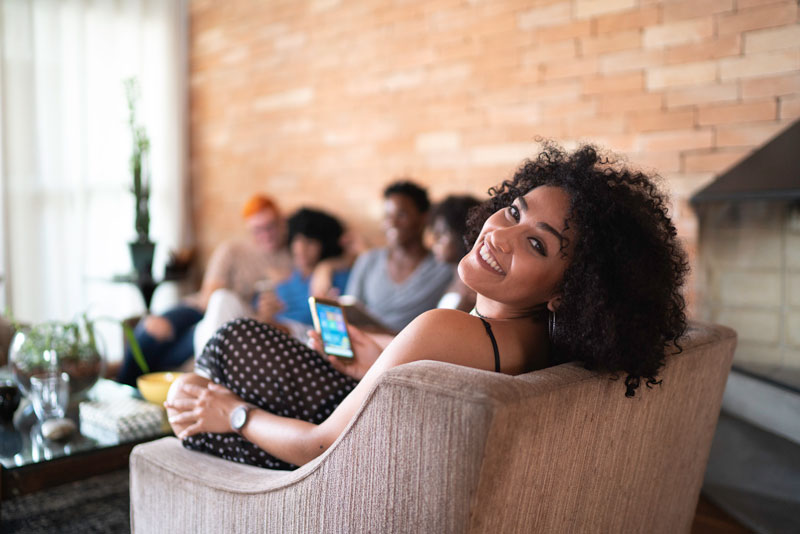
<point x="329" y="321"/>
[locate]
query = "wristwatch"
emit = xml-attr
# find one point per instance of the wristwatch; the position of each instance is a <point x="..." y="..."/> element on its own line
<point x="239" y="417"/>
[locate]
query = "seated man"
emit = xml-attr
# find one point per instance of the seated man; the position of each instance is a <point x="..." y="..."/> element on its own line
<point x="399" y="282"/>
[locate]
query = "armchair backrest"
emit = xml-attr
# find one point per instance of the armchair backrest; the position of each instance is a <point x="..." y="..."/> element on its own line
<point x="589" y="459"/>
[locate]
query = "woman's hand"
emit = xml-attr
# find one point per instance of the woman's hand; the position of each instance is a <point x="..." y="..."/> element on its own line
<point x="269" y="305"/>
<point x="203" y="409"/>
<point x="365" y="348"/>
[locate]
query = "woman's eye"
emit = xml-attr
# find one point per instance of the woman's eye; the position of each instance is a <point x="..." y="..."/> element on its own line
<point x="536" y="244"/>
<point x="514" y="212"/>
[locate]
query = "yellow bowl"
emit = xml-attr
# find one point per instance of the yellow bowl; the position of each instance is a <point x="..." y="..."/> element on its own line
<point x="154" y="386"/>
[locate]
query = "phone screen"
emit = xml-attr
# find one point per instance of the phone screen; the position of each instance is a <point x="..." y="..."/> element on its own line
<point x="333" y="330"/>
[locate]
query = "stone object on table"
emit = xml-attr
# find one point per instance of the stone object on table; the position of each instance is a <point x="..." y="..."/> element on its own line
<point x="58" y="429"/>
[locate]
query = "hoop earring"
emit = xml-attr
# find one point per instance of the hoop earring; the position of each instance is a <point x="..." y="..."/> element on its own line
<point x="551" y="324"/>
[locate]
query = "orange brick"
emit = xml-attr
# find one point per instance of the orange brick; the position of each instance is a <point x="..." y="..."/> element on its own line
<point x="581" y="28"/>
<point x="761" y="64"/>
<point x="651" y="121"/>
<point x="714" y="161"/>
<point x="702" y="95"/>
<point x="611" y="42"/>
<point x="681" y="75"/>
<point x="771" y="86"/>
<point x="549" y="15"/>
<point x="593" y="8"/>
<point x="747" y="135"/>
<point x="789" y="107"/>
<point x="760" y="110"/>
<point x="571" y="108"/>
<point x="569" y="68"/>
<point x="630" y="60"/>
<point x="772" y="39"/>
<point x="756" y="18"/>
<point x="547" y="52"/>
<point x="613" y="84"/>
<point x="689" y="9"/>
<point x="685" y="31"/>
<point x="628" y="20"/>
<point x="553" y="90"/>
<point x="598" y="125"/>
<point x="630" y="102"/>
<point x="676" y="140"/>
<point x="660" y="162"/>
<point x="743" y="4"/>
<point x="730" y="45"/>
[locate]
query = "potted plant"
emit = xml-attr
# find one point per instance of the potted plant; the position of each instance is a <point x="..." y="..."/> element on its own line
<point x="76" y="346"/>
<point x="142" y="248"/>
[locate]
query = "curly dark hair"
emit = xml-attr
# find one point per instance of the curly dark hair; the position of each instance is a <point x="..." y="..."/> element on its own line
<point x="453" y="210"/>
<point x="316" y="224"/>
<point x="417" y="193"/>
<point x="621" y="307"/>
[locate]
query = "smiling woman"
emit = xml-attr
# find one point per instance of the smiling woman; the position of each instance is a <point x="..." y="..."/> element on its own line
<point x="557" y="241"/>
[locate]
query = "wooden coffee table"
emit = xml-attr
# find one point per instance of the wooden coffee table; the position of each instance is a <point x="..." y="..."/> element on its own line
<point x="30" y="463"/>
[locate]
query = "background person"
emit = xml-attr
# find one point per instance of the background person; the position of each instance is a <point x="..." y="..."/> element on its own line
<point x="399" y="282"/>
<point x="448" y="225"/>
<point x="167" y="340"/>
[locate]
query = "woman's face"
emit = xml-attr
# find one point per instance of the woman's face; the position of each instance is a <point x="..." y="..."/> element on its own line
<point x="306" y="253"/>
<point x="266" y="229"/>
<point x="447" y="246"/>
<point x="403" y="223"/>
<point x="517" y="260"/>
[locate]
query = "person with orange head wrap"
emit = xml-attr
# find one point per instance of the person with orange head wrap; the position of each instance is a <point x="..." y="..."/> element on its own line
<point x="238" y="265"/>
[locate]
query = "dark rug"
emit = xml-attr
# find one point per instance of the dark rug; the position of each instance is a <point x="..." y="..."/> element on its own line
<point x="99" y="504"/>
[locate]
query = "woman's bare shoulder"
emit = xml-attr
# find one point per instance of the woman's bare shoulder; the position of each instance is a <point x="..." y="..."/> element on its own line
<point x="444" y="335"/>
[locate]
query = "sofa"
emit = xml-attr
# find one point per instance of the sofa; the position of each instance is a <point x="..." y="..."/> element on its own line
<point x="437" y="447"/>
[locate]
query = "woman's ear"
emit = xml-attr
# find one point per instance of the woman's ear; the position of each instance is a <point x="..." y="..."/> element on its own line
<point x="554" y="303"/>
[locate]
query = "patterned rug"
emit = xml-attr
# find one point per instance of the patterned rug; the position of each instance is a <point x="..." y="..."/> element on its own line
<point x="96" y="505"/>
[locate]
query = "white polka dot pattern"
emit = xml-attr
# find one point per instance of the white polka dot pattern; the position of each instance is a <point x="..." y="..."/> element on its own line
<point x="274" y="371"/>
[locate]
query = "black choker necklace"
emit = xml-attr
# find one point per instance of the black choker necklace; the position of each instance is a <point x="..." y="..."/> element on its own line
<point x="479" y="314"/>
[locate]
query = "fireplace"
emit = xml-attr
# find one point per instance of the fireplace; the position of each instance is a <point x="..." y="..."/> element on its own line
<point x="749" y="258"/>
<point x="749" y="279"/>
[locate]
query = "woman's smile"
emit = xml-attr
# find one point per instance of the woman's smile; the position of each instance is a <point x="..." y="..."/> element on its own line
<point x="488" y="260"/>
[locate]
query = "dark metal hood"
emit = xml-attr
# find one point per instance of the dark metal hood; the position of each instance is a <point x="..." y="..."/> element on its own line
<point x="771" y="172"/>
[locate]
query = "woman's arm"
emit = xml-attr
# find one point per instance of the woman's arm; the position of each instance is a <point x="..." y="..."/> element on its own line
<point x="444" y="335"/>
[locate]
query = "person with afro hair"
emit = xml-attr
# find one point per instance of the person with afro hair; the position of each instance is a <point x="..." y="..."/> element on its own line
<point x="574" y="258"/>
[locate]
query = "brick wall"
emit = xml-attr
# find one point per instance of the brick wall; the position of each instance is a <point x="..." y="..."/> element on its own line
<point x="324" y="101"/>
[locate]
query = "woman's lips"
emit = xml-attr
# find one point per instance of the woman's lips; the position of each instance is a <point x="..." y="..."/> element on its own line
<point x="488" y="259"/>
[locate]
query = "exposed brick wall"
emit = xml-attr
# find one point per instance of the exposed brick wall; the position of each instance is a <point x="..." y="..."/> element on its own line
<point x="323" y="102"/>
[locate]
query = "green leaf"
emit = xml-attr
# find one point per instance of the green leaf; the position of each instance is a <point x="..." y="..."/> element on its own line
<point x="138" y="357"/>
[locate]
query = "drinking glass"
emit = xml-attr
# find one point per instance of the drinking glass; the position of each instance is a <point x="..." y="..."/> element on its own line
<point x="49" y="395"/>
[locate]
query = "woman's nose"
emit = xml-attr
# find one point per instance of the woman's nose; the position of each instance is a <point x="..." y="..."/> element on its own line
<point x="500" y="239"/>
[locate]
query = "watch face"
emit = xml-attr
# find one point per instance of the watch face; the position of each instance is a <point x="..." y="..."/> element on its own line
<point x="238" y="417"/>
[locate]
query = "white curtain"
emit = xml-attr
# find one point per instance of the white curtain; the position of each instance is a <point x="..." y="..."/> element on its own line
<point x="67" y="207"/>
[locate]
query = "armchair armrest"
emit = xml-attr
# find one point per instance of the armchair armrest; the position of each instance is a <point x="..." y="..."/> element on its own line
<point x="408" y="461"/>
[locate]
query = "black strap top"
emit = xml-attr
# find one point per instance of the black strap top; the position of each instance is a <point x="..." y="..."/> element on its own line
<point x="494" y="344"/>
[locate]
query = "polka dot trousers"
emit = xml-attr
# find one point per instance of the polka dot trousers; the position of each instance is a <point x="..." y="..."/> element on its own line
<point x="270" y="369"/>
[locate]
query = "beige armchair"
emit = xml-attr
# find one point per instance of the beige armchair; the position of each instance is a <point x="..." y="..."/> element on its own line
<point x="442" y="448"/>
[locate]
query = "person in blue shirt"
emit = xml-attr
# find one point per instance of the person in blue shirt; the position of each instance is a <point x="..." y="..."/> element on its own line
<point x="314" y="236"/>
